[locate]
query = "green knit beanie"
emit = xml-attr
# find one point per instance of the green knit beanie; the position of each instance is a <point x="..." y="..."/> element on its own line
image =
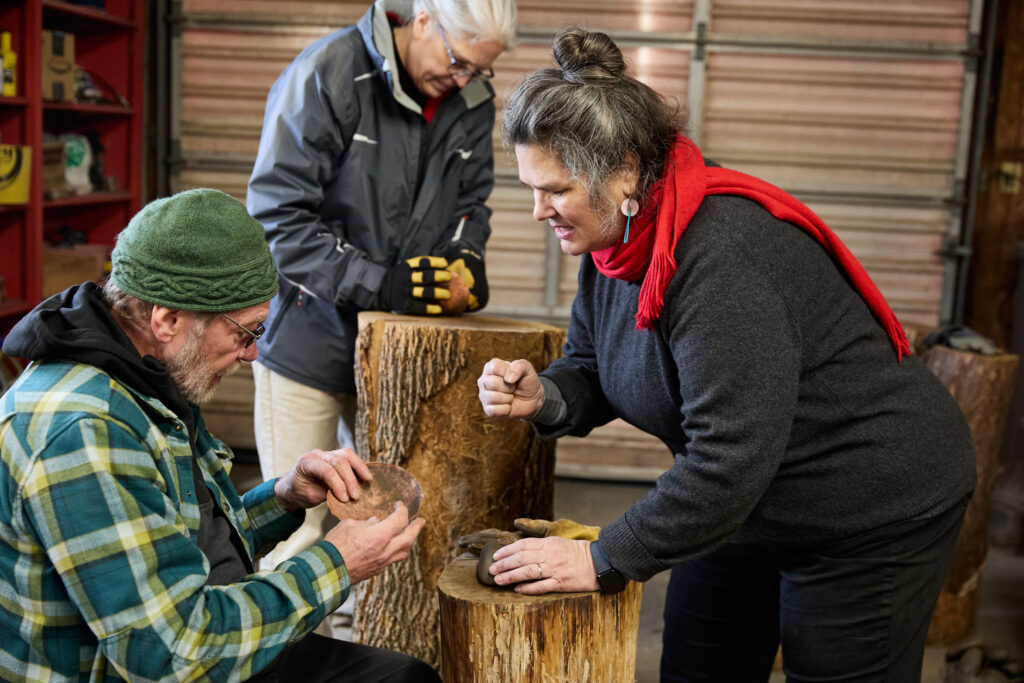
<point x="198" y="250"/>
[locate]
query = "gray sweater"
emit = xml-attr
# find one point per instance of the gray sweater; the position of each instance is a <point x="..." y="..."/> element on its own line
<point x="775" y="387"/>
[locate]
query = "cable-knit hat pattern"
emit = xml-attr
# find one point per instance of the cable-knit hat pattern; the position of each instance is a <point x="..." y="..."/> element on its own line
<point x="198" y="250"/>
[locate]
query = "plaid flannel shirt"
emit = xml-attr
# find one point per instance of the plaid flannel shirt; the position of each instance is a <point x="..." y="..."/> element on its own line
<point x="100" y="574"/>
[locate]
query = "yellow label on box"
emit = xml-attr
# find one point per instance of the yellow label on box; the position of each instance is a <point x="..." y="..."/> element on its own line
<point x="15" y="163"/>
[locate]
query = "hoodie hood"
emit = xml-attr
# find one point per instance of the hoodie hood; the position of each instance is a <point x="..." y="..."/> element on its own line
<point x="77" y="326"/>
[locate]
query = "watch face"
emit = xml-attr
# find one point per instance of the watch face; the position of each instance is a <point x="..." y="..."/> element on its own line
<point x="611" y="581"/>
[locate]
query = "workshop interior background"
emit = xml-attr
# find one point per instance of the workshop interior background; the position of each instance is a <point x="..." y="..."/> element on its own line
<point x="900" y="122"/>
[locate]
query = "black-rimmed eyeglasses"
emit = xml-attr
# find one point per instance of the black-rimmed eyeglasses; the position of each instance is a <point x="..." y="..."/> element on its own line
<point x="459" y="68"/>
<point x="254" y="335"/>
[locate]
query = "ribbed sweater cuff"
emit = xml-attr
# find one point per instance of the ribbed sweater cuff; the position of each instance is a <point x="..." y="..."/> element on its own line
<point x="626" y="553"/>
<point x="553" y="410"/>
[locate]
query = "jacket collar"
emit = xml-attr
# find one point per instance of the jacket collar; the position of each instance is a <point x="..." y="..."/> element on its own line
<point x="375" y="29"/>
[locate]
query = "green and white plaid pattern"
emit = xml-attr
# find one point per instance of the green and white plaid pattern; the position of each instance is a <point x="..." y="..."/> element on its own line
<point x="100" y="574"/>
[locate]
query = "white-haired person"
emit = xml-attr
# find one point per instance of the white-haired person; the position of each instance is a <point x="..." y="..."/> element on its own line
<point x="373" y="168"/>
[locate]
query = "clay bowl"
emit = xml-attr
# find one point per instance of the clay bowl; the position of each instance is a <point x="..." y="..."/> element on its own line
<point x="390" y="484"/>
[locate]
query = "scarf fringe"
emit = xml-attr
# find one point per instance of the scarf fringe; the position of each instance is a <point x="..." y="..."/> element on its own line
<point x="652" y="291"/>
<point x="898" y="336"/>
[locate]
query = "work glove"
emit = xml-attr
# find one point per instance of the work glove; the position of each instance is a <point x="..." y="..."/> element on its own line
<point x="409" y="286"/>
<point x="470" y="267"/>
<point x="566" y="528"/>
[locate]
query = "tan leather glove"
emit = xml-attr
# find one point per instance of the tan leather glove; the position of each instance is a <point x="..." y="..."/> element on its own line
<point x="566" y="528"/>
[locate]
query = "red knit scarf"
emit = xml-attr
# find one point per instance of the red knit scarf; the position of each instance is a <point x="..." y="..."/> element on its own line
<point x="674" y="200"/>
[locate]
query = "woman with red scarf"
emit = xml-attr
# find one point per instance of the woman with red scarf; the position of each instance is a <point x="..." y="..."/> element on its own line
<point x="820" y="473"/>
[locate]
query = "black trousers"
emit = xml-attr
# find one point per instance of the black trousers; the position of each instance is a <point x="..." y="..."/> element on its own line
<point x="316" y="659"/>
<point x="850" y="610"/>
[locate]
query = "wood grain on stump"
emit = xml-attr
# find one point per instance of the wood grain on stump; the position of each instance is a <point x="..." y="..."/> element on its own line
<point x="982" y="387"/>
<point x="418" y="408"/>
<point x="495" y="635"/>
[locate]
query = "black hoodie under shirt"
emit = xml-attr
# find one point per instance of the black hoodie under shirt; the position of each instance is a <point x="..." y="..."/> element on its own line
<point x="76" y="325"/>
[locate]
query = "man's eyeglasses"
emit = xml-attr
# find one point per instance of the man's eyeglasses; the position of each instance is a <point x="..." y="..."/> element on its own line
<point x="459" y="68"/>
<point x="253" y="334"/>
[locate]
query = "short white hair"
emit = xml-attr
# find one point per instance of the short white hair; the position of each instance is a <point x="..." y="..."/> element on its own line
<point x="473" y="20"/>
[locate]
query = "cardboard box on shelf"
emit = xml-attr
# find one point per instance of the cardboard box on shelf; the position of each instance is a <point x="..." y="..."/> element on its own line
<point x="54" y="168"/>
<point x="66" y="266"/>
<point x="15" y="167"/>
<point x="58" y="66"/>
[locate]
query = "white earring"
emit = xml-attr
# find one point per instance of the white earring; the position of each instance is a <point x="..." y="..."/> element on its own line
<point x="629" y="207"/>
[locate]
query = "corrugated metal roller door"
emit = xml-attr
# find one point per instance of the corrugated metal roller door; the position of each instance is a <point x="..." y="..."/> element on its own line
<point x="862" y="109"/>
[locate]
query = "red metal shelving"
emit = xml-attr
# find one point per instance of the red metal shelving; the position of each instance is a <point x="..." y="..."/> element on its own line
<point x="109" y="44"/>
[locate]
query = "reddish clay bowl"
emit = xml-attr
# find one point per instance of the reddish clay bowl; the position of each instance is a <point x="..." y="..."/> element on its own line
<point x="390" y="484"/>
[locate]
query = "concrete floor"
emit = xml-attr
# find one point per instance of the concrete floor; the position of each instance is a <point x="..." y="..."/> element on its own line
<point x="1001" y="607"/>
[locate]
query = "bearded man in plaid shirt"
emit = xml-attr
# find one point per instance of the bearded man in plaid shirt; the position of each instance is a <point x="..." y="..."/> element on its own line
<point x="125" y="551"/>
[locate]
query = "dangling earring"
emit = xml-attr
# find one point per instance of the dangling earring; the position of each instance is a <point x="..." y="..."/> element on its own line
<point x="629" y="207"/>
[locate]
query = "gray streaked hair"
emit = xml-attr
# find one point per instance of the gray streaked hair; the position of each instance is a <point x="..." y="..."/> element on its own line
<point x="589" y="114"/>
<point x="473" y="20"/>
<point x="134" y="313"/>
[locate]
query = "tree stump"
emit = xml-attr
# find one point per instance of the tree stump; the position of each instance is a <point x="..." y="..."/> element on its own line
<point x="982" y="387"/>
<point x="418" y="408"/>
<point x="495" y="635"/>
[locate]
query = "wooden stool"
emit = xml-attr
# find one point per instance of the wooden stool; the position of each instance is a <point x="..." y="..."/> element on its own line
<point x="495" y="635"/>
<point x="982" y="387"/>
<point x="418" y="408"/>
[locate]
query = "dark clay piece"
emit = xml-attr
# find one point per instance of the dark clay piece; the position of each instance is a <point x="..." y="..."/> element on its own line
<point x="486" y="560"/>
<point x="476" y="541"/>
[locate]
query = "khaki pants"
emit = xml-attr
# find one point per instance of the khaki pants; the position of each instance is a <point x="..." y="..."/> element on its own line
<point x="292" y="419"/>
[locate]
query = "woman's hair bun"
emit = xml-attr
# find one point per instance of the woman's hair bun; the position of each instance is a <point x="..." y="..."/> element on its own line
<point x="585" y="55"/>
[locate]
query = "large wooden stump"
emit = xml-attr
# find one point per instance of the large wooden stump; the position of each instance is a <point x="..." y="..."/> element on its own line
<point x="418" y="408"/>
<point x="495" y="635"/>
<point x="982" y="387"/>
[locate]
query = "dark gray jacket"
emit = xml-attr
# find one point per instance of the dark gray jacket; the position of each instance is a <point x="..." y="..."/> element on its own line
<point x="778" y="392"/>
<point x="335" y="186"/>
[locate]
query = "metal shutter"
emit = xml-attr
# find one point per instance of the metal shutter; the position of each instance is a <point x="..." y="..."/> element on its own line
<point x="861" y="108"/>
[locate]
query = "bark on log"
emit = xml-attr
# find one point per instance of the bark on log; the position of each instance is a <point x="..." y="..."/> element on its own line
<point x="982" y="387"/>
<point x="418" y="408"/>
<point x="495" y="635"/>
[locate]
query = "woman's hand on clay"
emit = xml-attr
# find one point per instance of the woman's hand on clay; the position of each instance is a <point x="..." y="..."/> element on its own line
<point x="510" y="389"/>
<point x="545" y="565"/>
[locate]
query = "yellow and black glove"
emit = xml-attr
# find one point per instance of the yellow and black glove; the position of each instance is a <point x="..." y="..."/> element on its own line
<point x="470" y="267"/>
<point x="409" y="286"/>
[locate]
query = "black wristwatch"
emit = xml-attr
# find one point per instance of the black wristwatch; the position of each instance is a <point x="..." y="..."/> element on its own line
<point x="608" y="577"/>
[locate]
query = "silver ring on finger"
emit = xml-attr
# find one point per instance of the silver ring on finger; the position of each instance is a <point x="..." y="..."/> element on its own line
<point x="540" y="570"/>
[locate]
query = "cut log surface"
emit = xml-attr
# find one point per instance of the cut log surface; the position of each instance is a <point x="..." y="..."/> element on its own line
<point x="495" y="635"/>
<point x="418" y="408"/>
<point x="982" y="387"/>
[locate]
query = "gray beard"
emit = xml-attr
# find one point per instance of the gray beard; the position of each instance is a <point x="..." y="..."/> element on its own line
<point x="190" y="370"/>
